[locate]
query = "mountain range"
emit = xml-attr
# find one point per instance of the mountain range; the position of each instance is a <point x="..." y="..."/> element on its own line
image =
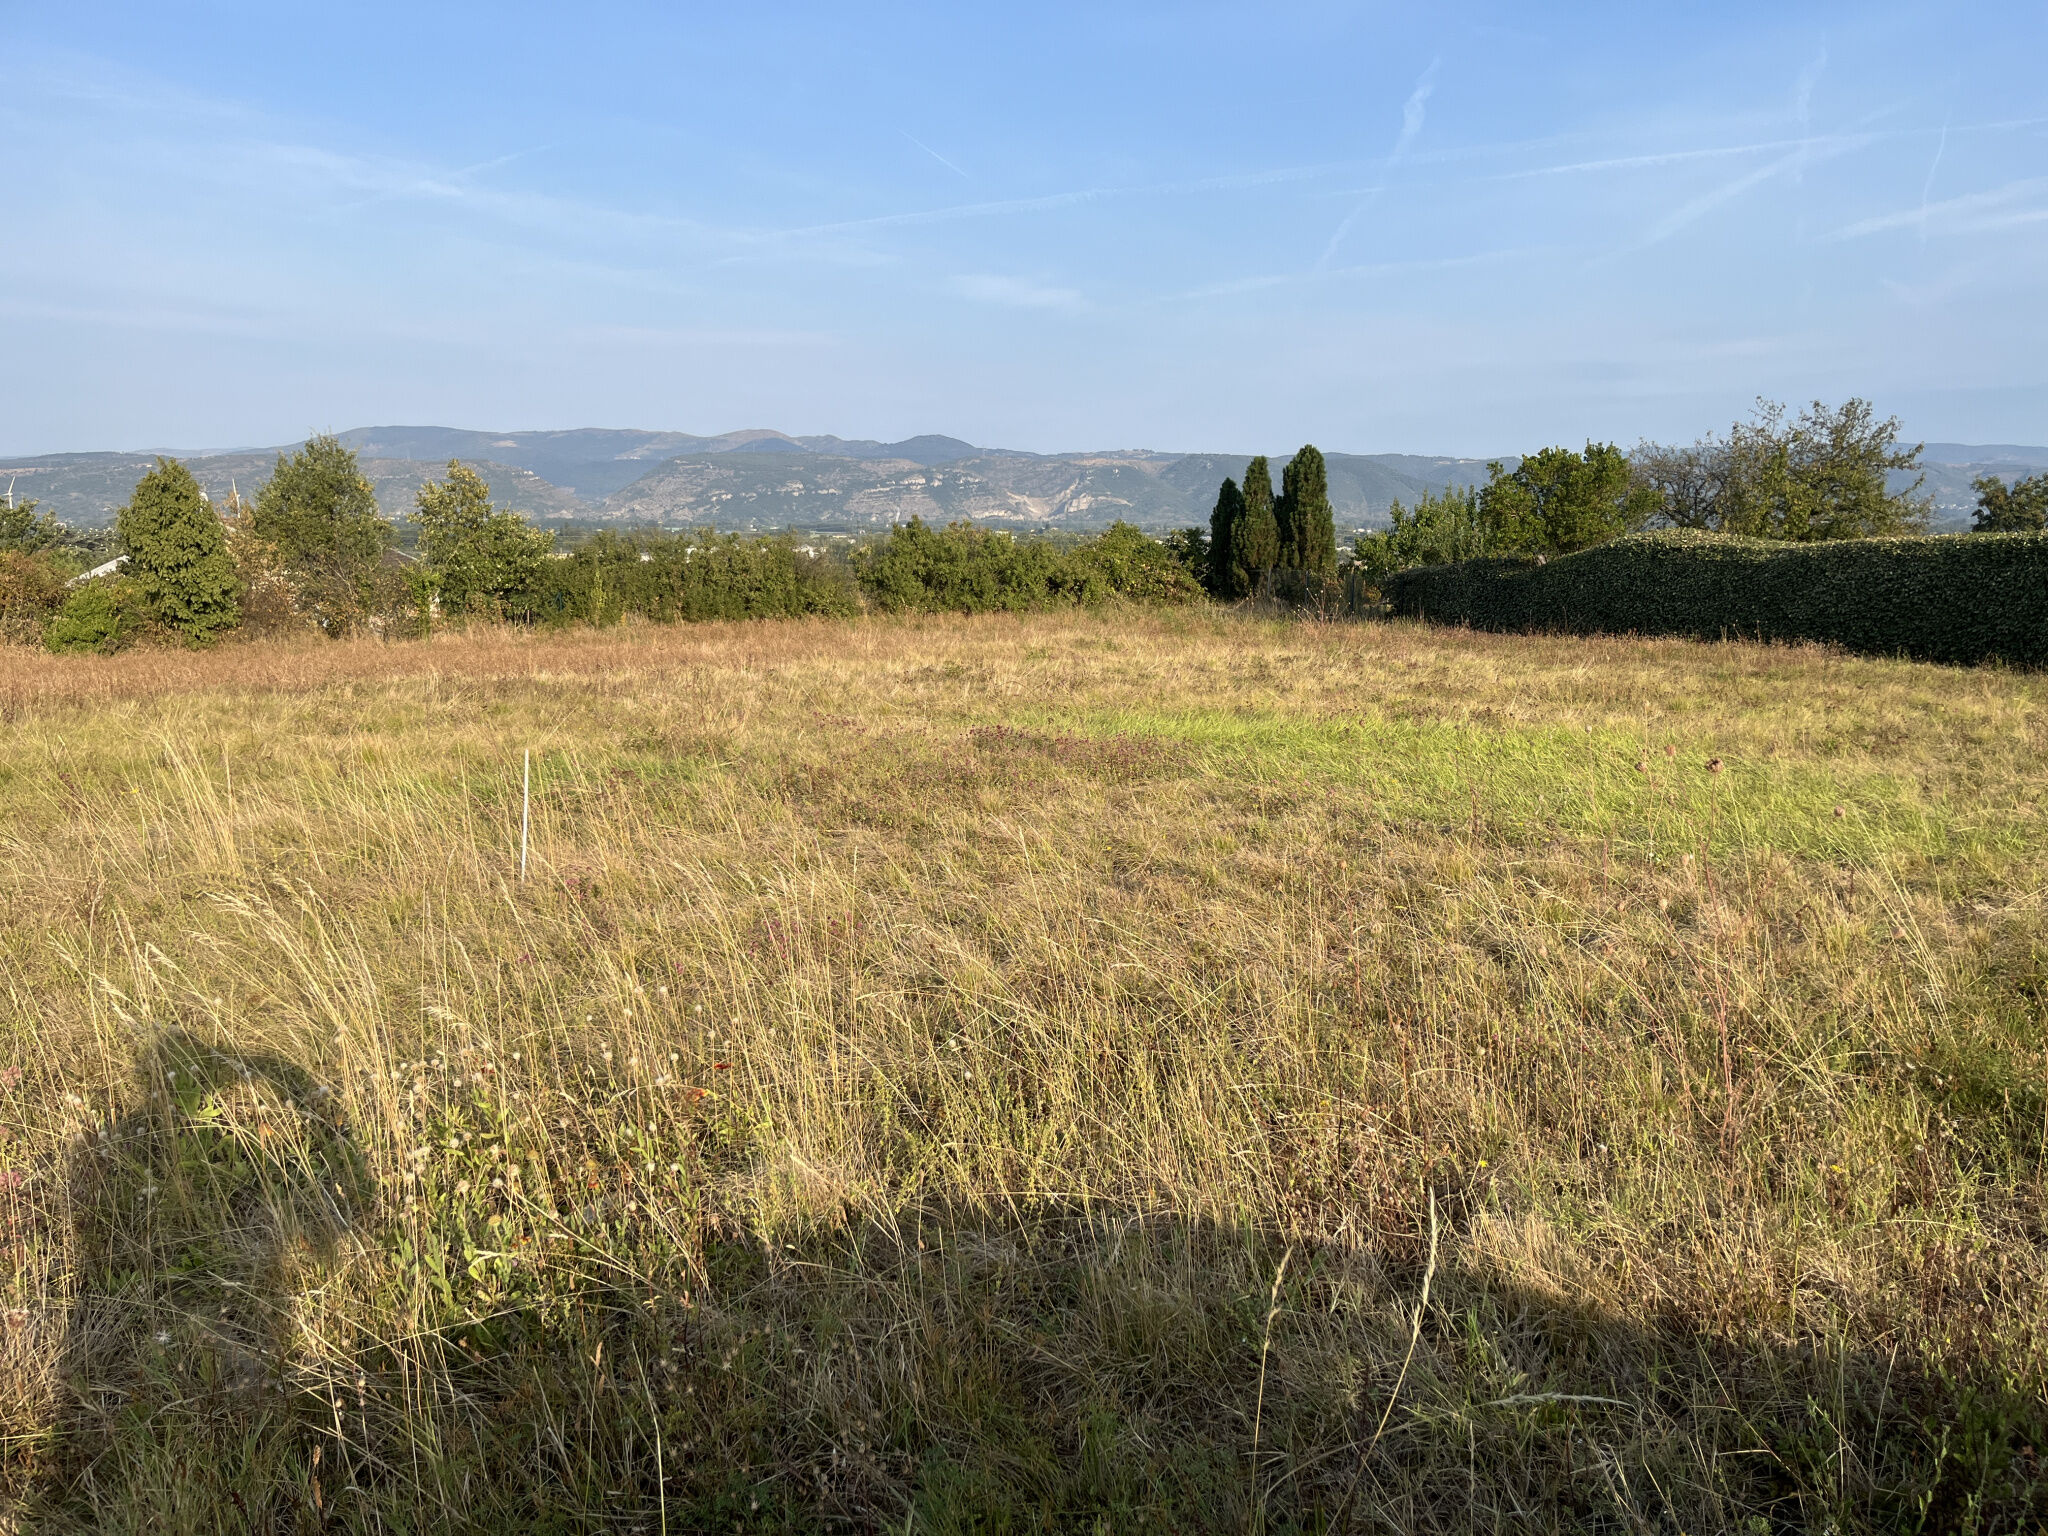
<point x="759" y="479"/>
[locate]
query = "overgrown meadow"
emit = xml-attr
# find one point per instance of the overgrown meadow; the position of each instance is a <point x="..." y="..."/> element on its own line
<point x="1096" y="1071"/>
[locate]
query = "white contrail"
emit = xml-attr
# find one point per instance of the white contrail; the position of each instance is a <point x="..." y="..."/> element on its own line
<point x="1927" y="187"/>
<point x="920" y="143"/>
<point x="1411" y="128"/>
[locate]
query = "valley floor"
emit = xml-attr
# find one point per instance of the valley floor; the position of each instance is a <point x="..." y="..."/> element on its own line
<point x="1073" y="1072"/>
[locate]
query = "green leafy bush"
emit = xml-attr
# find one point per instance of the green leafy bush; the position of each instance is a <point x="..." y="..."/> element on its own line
<point x="695" y="576"/>
<point x="1443" y="527"/>
<point x="1959" y="598"/>
<point x="100" y="616"/>
<point x="475" y="559"/>
<point x="964" y="569"/>
<point x="31" y="590"/>
<point x="1124" y="562"/>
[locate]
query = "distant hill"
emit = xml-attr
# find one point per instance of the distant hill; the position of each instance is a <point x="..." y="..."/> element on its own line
<point x="83" y="489"/>
<point x="761" y="479"/>
<point x="594" y="462"/>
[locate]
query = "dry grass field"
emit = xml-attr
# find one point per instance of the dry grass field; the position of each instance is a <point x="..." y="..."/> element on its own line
<point x="1070" y="1073"/>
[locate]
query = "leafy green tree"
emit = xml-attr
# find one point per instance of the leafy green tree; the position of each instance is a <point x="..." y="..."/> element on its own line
<point x="1558" y="501"/>
<point x="178" y="555"/>
<point x="1443" y="528"/>
<point x="1189" y="548"/>
<point x="1825" y="474"/>
<point x="1255" y="544"/>
<point x="319" y="514"/>
<point x="1226" y="524"/>
<point x="1306" y="527"/>
<point x="476" y="559"/>
<point x="2021" y="507"/>
<point x="25" y="532"/>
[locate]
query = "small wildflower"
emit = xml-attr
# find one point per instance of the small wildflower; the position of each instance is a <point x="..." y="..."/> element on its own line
<point x="163" y="1335"/>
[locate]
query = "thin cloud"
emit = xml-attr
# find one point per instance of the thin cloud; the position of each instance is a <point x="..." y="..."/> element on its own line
<point x="1927" y="186"/>
<point x="1014" y="292"/>
<point x="1649" y="161"/>
<point x="1793" y="164"/>
<point x="1802" y="88"/>
<point x="1973" y="212"/>
<point x="920" y="143"/>
<point x="1051" y="200"/>
<point x="1364" y="269"/>
<point x="1412" y="114"/>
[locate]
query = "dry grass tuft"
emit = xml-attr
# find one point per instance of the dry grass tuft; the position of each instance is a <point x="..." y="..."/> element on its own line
<point x="998" y="1074"/>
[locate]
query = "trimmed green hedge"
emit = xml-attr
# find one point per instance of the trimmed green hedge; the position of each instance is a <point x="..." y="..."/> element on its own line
<point x="1959" y="598"/>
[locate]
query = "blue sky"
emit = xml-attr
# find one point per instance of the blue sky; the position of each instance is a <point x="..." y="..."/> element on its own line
<point x="1449" y="229"/>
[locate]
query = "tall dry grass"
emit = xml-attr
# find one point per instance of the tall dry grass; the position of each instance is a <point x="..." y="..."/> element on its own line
<point x="1053" y="1073"/>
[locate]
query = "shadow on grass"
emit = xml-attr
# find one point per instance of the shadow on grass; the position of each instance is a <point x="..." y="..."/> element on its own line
<point x="950" y="1370"/>
<point x="195" y="1218"/>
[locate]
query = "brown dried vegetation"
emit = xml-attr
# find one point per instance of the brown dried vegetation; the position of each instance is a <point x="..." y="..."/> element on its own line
<point x="1065" y="1072"/>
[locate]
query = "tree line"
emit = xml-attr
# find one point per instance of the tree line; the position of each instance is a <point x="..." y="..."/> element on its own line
<point x="312" y="550"/>
<point x="1822" y="474"/>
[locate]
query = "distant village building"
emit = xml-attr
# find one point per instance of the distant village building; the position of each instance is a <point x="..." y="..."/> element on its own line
<point x="98" y="571"/>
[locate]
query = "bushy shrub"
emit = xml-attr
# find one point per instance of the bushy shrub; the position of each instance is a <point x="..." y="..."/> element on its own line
<point x="1125" y="562"/>
<point x="31" y="590"/>
<point x="1443" y="527"/>
<point x="100" y="616"/>
<point x="476" y="560"/>
<point x="964" y="569"/>
<point x="693" y="577"/>
<point x="920" y="569"/>
<point x="1961" y="598"/>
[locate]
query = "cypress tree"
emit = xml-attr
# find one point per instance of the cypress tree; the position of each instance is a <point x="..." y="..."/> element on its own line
<point x="1256" y="548"/>
<point x="178" y="554"/>
<point x="1308" y="529"/>
<point x="1223" y="530"/>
